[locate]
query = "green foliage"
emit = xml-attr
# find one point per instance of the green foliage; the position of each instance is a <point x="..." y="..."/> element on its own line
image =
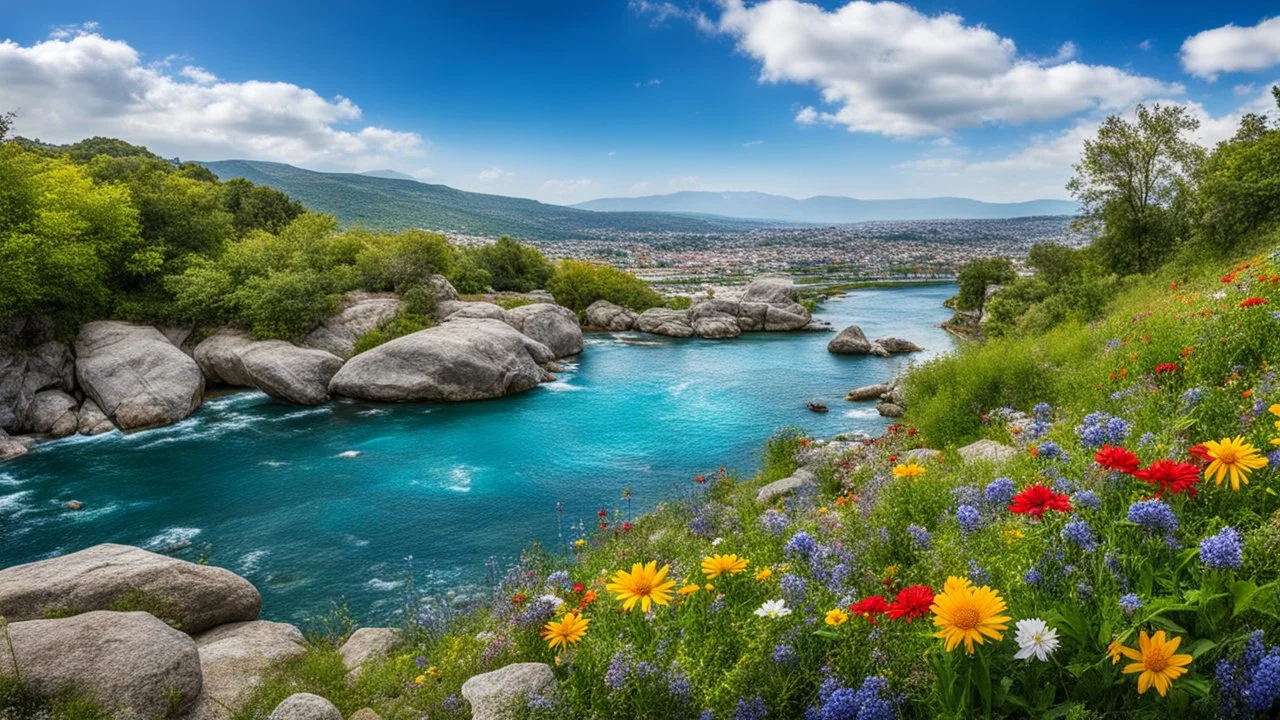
<point x="576" y="284"/>
<point x="468" y="276"/>
<point x="257" y="206"/>
<point x="399" y="262"/>
<point x="19" y="702"/>
<point x="402" y="324"/>
<point x="513" y="266"/>
<point x="974" y="277"/>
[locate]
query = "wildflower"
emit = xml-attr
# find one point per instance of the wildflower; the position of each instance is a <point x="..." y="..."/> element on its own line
<point x="773" y="609"/>
<point x="1088" y="500"/>
<point x="420" y="680"/>
<point x="1035" y="639"/>
<point x="1130" y="603"/>
<point x="1233" y="457"/>
<point x="1163" y="368"/>
<point x="1100" y="428"/>
<point x="800" y="545"/>
<point x="1153" y="516"/>
<point x="1000" y="492"/>
<point x="1079" y="532"/>
<point x="688" y="589"/>
<point x="1252" y="302"/>
<point x="784" y="654"/>
<point x="919" y="536"/>
<point x="700" y="479"/>
<point x="716" y="542"/>
<point x="836" y="617"/>
<point x="1050" y="450"/>
<point x="764" y="573"/>
<point x="1156" y="660"/>
<point x="716" y="565"/>
<point x="1116" y="458"/>
<point x="753" y="709"/>
<point x="565" y="631"/>
<point x="969" y="518"/>
<point x="964" y="613"/>
<point x="1175" y="477"/>
<point x="1038" y="499"/>
<point x="588" y="597"/>
<point x="911" y="602"/>
<point x="870" y="606"/>
<point x="773" y="521"/>
<point x="1115" y="651"/>
<point x="794" y="587"/>
<point x="908" y="470"/>
<point x="580" y="543"/>
<point x="1223" y="551"/>
<point x="1012" y="534"/>
<point x="645" y="584"/>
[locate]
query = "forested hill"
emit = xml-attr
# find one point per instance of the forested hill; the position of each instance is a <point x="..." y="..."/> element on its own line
<point x="391" y="204"/>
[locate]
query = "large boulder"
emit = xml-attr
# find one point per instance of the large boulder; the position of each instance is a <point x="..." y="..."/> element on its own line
<point x="134" y="665"/>
<point x="455" y="361"/>
<point x="368" y="643"/>
<point x="192" y="597"/>
<point x="31" y="360"/>
<point x="11" y="448"/>
<point x="233" y="658"/>
<point x="219" y="358"/>
<point x="891" y="410"/>
<point x="604" y="315"/>
<point x="664" y="321"/>
<point x="440" y="286"/>
<point x="305" y="706"/>
<point x="767" y="303"/>
<point x="492" y="693"/>
<point x="463" y="310"/>
<point x="771" y="290"/>
<point x="550" y="324"/>
<point x="868" y="392"/>
<point x="987" y="451"/>
<point x="801" y="478"/>
<point x="786" y="318"/>
<point x="136" y="375"/>
<point x="53" y="413"/>
<point x="895" y="345"/>
<point x="361" y="312"/>
<point x="716" y="325"/>
<point x="90" y="420"/>
<point x="290" y="373"/>
<point x="852" y="341"/>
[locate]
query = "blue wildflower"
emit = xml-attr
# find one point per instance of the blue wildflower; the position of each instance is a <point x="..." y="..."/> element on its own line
<point x="1224" y="551"/>
<point x="1000" y="492"/>
<point x="1130" y="603"/>
<point x="919" y="536"/>
<point x="794" y="588"/>
<point x="1088" y="500"/>
<point x="774" y="522"/>
<point x="801" y="545"/>
<point x="1154" y="516"/>
<point x="784" y="654"/>
<point x="753" y="709"/>
<point x="1099" y="428"/>
<point x="969" y="518"/>
<point x="1079" y="532"/>
<point x="1051" y="450"/>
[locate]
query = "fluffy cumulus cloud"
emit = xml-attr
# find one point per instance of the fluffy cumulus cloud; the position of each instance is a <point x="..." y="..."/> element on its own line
<point x="1232" y="48"/>
<point x="886" y="68"/>
<point x="78" y="83"/>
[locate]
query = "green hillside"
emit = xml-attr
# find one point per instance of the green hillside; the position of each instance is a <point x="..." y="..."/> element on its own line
<point x="389" y="204"/>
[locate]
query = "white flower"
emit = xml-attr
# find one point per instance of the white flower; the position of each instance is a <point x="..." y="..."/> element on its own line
<point x="773" y="609"/>
<point x="552" y="599"/>
<point x="1035" y="638"/>
<point x="716" y="542"/>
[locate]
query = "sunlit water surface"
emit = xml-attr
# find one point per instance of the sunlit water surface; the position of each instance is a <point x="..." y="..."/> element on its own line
<point x="316" y="504"/>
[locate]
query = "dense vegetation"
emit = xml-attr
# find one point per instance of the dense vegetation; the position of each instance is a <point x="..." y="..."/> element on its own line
<point x="102" y="228"/>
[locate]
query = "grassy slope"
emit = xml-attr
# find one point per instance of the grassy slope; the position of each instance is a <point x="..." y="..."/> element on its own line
<point x="861" y="514"/>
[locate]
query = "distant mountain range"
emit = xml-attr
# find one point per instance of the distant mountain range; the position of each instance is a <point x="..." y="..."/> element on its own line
<point x="389" y="175"/>
<point x="827" y="209"/>
<point x="373" y="201"/>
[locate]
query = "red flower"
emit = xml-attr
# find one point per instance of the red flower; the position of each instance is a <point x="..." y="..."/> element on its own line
<point x="1200" y="451"/>
<point x="578" y="588"/>
<point x="1187" y="351"/>
<point x="1252" y="302"/>
<point x="869" y="606"/>
<point x="700" y="479"/>
<point x="626" y="527"/>
<point x="912" y="602"/>
<point x="518" y="599"/>
<point x="1035" y="500"/>
<point x="1116" y="458"/>
<point x="1163" y="368"/>
<point x="1173" y="476"/>
<point x="1229" y="278"/>
<point x="603" y="513"/>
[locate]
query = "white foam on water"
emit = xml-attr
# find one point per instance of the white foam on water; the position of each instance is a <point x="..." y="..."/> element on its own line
<point x="173" y="537"/>
<point x="349" y="454"/>
<point x="355" y="540"/>
<point x="562" y="386"/>
<point x="10" y="480"/>
<point x="373" y="411"/>
<point x="249" y="562"/>
<point x="861" y="413"/>
<point x="90" y="513"/>
<point x="384" y="585"/>
<point x="12" y="503"/>
<point x="305" y="413"/>
<point x="679" y="388"/>
<point x="461" y="477"/>
<point x="274" y="463"/>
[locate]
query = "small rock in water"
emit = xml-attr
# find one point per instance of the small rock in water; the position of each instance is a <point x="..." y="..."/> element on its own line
<point x="75" y="505"/>
<point x="349" y="454"/>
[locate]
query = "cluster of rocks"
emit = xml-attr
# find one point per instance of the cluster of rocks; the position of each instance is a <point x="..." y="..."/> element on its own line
<point x="197" y="653"/>
<point x="766" y="304"/>
<point x="852" y="341"/>
<point x="890" y="397"/>
<point x="128" y="376"/>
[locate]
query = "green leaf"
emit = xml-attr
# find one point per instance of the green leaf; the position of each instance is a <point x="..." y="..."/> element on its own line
<point x="1201" y="647"/>
<point x="1243" y="591"/>
<point x="1166" y="624"/>
<point x="827" y="634"/>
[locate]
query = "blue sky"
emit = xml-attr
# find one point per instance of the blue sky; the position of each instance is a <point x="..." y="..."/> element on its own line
<point x="567" y="101"/>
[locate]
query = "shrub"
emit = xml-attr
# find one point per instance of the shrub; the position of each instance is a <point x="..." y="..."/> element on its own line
<point x="576" y="284"/>
<point x="513" y="266"/>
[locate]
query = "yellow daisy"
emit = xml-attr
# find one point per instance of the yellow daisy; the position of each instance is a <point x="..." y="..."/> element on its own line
<point x="716" y="565"/>
<point x="1156" y="661"/>
<point x="764" y="573"/>
<point x="908" y="470"/>
<point x="1232" y="457"/>
<point x="964" y="613"/>
<point x="645" y="584"/>
<point x="566" y="631"/>
<point x="688" y="589"/>
<point x="836" y="617"/>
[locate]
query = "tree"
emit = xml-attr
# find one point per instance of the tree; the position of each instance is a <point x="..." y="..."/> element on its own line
<point x="258" y="207"/>
<point x="1132" y="183"/>
<point x="6" y="124"/>
<point x="576" y="284"/>
<point x="514" y="266"/>
<point x="1238" y="184"/>
<point x="976" y="275"/>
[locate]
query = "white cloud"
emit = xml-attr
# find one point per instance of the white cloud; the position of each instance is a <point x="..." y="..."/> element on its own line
<point x="648" y="83"/>
<point x="641" y="186"/>
<point x="886" y="68"/>
<point x="1145" y="45"/>
<point x="612" y="153"/>
<point x="64" y="32"/>
<point x="1232" y="48"/>
<point x="1066" y="51"/>
<point x="752" y="143"/>
<point x="494" y="174"/>
<point x="660" y="12"/>
<point x="78" y="84"/>
<point x="571" y="190"/>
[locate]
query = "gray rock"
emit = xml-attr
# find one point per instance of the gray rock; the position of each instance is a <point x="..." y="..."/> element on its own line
<point x="801" y="478"/>
<point x="233" y="658"/>
<point x="786" y="318"/>
<point x="194" y="597"/>
<point x="605" y="315"/>
<point x="664" y="321"/>
<point x="52" y="413"/>
<point x="11" y="448"/>
<point x="890" y="410"/>
<point x="895" y="345"/>
<point x="365" y="714"/>
<point x="490" y="694"/>
<point x="177" y="334"/>
<point x="455" y="361"/>
<point x="90" y="420"/>
<point x="290" y="373"/>
<point x="367" y="643"/>
<point x="74" y="505"/>
<point x="440" y="286"/>
<point x="987" y="451"/>
<point x="305" y="706"/>
<point x="137" y="377"/>
<point x="852" y="341"/>
<point x="550" y="324"/>
<point x="770" y="290"/>
<point x="219" y="358"/>
<point x="31" y="360"/>
<point x="461" y="310"/>
<point x="361" y="312"/>
<point x="868" y="392"/>
<point x="716" y="326"/>
<point x="920" y="455"/>
<point x="133" y="664"/>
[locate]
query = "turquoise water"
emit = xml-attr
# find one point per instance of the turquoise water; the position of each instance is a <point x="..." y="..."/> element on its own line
<point x="314" y="504"/>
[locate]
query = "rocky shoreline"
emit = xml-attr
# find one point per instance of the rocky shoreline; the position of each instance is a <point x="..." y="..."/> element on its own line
<point x="116" y="374"/>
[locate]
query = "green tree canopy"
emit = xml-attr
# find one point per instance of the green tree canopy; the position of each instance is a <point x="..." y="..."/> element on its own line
<point x="976" y="275"/>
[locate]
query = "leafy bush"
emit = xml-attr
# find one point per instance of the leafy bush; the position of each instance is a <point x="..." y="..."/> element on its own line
<point x="513" y="266"/>
<point x="576" y="284"/>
